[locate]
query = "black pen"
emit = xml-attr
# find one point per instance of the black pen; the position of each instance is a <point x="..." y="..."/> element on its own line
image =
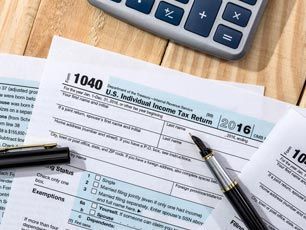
<point x="231" y="189"/>
<point x="33" y="155"/>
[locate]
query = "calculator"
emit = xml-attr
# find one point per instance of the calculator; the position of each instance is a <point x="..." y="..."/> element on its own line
<point x="223" y="28"/>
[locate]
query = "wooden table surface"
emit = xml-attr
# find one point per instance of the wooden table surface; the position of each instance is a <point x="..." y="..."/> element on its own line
<point x="277" y="59"/>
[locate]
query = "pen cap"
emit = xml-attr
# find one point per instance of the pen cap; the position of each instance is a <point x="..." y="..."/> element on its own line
<point x="34" y="157"/>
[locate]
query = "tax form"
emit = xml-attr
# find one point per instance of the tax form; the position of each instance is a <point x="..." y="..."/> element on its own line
<point x="133" y="163"/>
<point x="19" y="80"/>
<point x="279" y="188"/>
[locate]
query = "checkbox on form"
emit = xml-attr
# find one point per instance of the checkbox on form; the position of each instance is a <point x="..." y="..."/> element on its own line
<point x="94" y="205"/>
<point x="98" y="178"/>
<point x="94" y="191"/>
<point x="92" y="212"/>
<point x="96" y="184"/>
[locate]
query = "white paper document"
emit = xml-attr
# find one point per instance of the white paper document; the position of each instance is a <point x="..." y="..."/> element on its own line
<point x="19" y="80"/>
<point x="275" y="179"/>
<point x="133" y="165"/>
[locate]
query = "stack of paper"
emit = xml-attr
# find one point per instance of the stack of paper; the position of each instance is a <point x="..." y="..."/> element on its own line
<point x="127" y="121"/>
<point x="280" y="182"/>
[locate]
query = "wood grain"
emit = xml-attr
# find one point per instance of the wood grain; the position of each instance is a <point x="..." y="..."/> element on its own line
<point x="303" y="101"/>
<point x="276" y="60"/>
<point x="16" y="20"/>
<point x="303" y="93"/>
<point x="78" y="20"/>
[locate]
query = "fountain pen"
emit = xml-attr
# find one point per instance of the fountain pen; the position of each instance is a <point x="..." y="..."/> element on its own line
<point x="231" y="189"/>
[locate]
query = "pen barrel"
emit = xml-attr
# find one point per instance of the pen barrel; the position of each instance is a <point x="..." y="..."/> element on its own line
<point x="223" y="179"/>
<point x="34" y="157"/>
<point x="245" y="209"/>
<point x="236" y="196"/>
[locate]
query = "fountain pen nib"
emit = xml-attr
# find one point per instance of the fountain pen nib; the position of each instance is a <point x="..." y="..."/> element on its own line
<point x="204" y="150"/>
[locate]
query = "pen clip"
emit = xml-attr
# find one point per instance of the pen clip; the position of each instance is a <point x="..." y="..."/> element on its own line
<point x="22" y="147"/>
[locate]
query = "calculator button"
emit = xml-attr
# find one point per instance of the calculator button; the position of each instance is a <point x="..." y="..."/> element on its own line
<point x="227" y="36"/>
<point x="183" y="1"/>
<point x="202" y="16"/>
<point x="169" y="13"/>
<point x="251" y="2"/>
<point x="143" y="6"/>
<point x="237" y="14"/>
